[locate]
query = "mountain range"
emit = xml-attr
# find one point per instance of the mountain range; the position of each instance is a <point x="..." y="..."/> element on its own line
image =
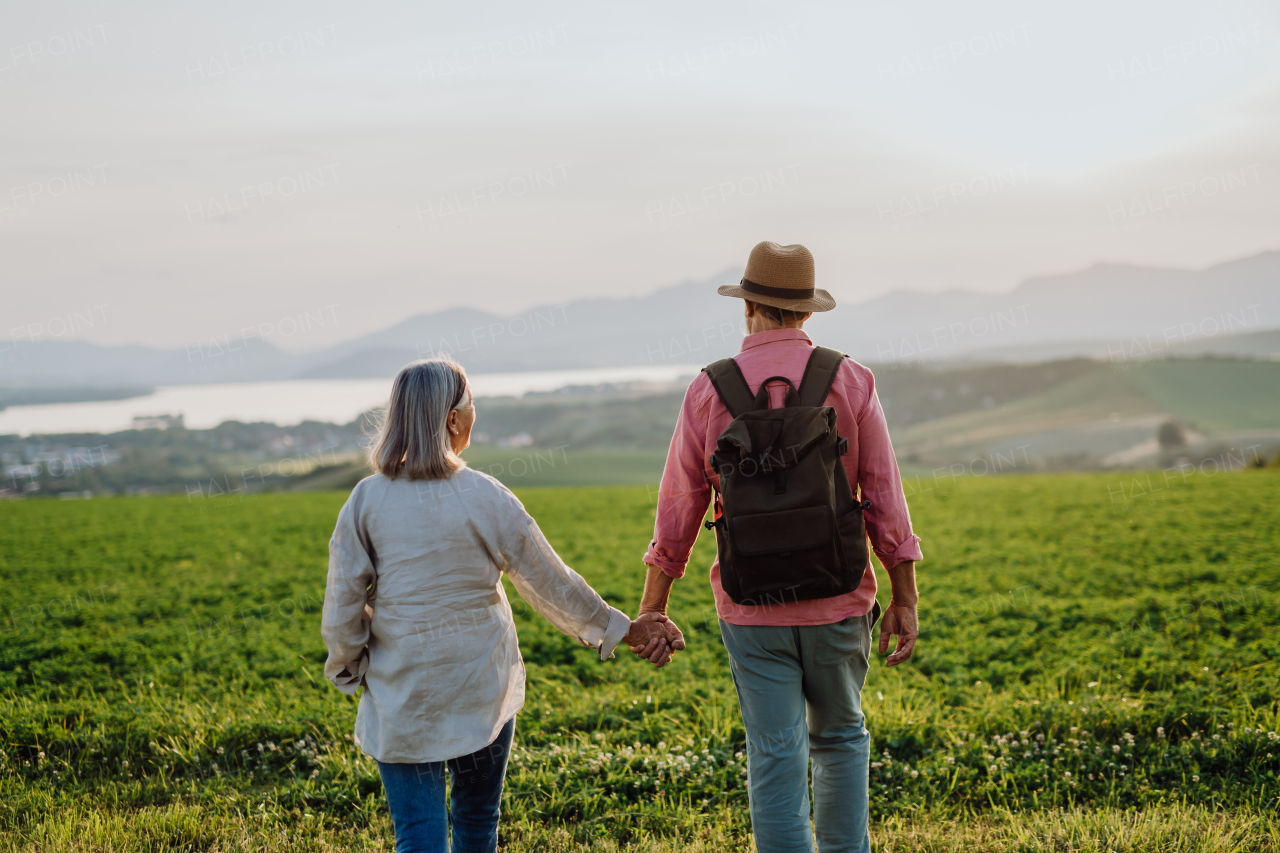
<point x="1107" y="311"/>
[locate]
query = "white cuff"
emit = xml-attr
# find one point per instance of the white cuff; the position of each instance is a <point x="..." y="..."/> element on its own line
<point x="345" y="681"/>
<point x="619" y="625"/>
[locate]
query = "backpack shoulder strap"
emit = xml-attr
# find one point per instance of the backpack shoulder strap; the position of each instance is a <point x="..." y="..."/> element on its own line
<point x="726" y="377"/>
<point x="819" y="374"/>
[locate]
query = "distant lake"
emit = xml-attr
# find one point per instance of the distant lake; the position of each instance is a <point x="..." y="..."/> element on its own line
<point x="293" y="401"/>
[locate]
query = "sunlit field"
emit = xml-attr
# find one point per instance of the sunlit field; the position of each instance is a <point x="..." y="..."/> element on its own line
<point x="1097" y="670"/>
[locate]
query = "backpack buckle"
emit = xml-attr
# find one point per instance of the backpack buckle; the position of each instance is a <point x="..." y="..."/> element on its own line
<point x="842" y="445"/>
<point x="717" y="515"/>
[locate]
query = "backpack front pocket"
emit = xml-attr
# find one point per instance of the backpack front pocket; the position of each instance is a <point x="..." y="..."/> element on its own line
<point x="783" y="557"/>
<point x="789" y="531"/>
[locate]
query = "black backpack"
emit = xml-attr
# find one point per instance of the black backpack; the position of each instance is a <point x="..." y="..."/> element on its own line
<point x="788" y="526"/>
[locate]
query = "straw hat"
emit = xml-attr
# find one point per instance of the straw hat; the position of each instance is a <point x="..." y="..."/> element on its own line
<point x="781" y="276"/>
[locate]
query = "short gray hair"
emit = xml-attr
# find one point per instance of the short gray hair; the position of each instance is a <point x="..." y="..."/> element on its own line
<point x="412" y="432"/>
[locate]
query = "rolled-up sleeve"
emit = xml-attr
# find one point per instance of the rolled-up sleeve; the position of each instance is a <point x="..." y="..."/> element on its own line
<point x="888" y="519"/>
<point x="551" y="587"/>
<point x="685" y="491"/>
<point x="348" y="597"/>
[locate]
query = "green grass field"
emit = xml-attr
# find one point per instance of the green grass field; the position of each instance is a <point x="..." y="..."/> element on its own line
<point x="1099" y="669"/>
<point x="527" y="468"/>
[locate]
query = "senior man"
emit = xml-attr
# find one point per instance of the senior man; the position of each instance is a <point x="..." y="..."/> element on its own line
<point x="799" y="654"/>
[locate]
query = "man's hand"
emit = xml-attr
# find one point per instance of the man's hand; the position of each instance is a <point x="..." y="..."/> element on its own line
<point x="899" y="619"/>
<point x="653" y="607"/>
<point x="654" y="637"/>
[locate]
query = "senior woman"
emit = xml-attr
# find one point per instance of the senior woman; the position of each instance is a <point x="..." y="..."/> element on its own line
<point x="415" y="612"/>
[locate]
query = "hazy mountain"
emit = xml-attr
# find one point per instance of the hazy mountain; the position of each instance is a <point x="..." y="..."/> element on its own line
<point x="687" y="323"/>
<point x="79" y="363"/>
<point x="1106" y="308"/>
<point x="1263" y="344"/>
<point x="1108" y="311"/>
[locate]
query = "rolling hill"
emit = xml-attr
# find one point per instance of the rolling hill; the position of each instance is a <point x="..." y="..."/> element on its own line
<point x="945" y="421"/>
<point x="1108" y="415"/>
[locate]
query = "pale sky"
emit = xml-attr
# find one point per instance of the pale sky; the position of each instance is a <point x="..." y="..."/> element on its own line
<point x="182" y="172"/>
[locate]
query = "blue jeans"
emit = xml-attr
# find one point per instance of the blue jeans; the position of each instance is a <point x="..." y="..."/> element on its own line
<point x="800" y="690"/>
<point x="415" y="794"/>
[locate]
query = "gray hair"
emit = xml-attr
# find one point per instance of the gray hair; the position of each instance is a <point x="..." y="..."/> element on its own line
<point x="412" y="432"/>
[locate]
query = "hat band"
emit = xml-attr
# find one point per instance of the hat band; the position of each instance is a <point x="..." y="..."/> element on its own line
<point x="777" y="292"/>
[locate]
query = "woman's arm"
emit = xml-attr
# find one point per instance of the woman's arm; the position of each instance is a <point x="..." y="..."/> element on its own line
<point x="560" y="594"/>
<point x="347" y="616"/>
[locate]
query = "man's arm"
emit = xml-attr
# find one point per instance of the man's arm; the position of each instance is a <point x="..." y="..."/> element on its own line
<point x="657" y="589"/>
<point x="683" y="498"/>
<point x="888" y="523"/>
<point x="900" y="618"/>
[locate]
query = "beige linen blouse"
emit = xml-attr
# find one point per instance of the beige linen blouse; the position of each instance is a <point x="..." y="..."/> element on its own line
<point x="415" y="611"/>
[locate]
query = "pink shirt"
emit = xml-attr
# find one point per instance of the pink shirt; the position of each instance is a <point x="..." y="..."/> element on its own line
<point x="688" y="479"/>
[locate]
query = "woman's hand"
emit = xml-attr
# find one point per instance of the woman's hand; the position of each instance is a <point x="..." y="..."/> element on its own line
<point x="654" y="637"/>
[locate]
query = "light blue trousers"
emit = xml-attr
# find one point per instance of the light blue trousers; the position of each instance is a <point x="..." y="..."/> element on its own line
<point x="800" y="689"/>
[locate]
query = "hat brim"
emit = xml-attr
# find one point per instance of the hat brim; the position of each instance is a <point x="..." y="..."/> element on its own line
<point x="821" y="300"/>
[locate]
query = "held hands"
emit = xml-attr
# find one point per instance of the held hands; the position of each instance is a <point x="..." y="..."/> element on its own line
<point x="654" y="637"/>
<point x="899" y="619"/>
